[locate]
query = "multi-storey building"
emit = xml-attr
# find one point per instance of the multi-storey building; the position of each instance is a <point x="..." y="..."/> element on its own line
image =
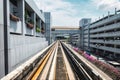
<point x="22" y="31"/>
<point x="84" y="32"/>
<point x="48" y="26"/>
<point x="74" y="39"/>
<point x="103" y="36"/>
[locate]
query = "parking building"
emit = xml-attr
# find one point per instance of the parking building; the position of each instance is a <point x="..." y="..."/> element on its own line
<point x="103" y="36"/>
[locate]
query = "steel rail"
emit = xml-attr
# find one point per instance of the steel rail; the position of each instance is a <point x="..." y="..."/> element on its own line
<point x="43" y="63"/>
<point x="80" y="72"/>
<point x="68" y="67"/>
<point x="46" y="71"/>
<point x="93" y="71"/>
<point x="53" y="66"/>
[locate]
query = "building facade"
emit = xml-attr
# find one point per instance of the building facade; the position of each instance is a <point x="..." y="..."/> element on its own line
<point x="103" y="37"/>
<point x="22" y="27"/>
<point x="2" y="48"/>
<point x="84" y="32"/>
<point x="48" y="26"/>
<point x="74" y="39"/>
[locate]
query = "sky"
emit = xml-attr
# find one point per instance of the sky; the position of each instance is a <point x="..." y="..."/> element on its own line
<point x="70" y="12"/>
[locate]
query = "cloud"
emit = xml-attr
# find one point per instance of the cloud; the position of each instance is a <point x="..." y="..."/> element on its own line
<point x="107" y="4"/>
<point x="63" y="13"/>
<point x="67" y="13"/>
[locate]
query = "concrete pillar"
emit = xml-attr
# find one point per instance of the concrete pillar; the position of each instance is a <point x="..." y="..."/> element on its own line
<point x="23" y="17"/>
<point x="2" y="66"/>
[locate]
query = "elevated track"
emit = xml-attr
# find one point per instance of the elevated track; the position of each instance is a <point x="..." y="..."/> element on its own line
<point x="57" y="62"/>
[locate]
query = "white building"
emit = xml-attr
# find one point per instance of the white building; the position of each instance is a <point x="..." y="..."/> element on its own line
<point x="22" y="29"/>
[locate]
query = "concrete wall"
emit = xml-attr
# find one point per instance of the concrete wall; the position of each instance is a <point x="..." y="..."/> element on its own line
<point x="22" y="48"/>
<point x="1" y="41"/>
<point x="1" y="14"/>
<point x="1" y="50"/>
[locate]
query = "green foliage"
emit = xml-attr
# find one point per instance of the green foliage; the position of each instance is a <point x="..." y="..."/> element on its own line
<point x="31" y="21"/>
<point x="26" y="15"/>
<point x="28" y="18"/>
<point x="38" y="28"/>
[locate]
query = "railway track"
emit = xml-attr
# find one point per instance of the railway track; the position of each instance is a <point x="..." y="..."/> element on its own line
<point x="79" y="71"/>
<point x="37" y="71"/>
<point x="60" y="71"/>
<point x="56" y="63"/>
<point x="42" y="71"/>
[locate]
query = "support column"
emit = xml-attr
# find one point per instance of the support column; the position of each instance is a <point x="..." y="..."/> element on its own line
<point x="6" y="11"/>
<point x="2" y="53"/>
<point x="23" y="18"/>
